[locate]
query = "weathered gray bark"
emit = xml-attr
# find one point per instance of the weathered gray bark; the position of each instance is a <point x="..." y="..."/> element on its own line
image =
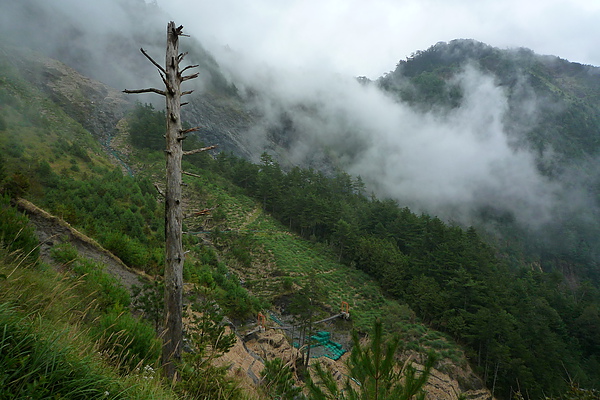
<point x="173" y="327"/>
<point x="172" y="77"/>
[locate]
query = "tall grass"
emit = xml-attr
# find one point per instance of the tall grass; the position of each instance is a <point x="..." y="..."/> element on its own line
<point x="127" y="341"/>
<point x="46" y="347"/>
<point x="40" y="367"/>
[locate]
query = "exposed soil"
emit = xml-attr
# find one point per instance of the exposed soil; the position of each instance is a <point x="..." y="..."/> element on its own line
<point x="52" y="230"/>
<point x="246" y="358"/>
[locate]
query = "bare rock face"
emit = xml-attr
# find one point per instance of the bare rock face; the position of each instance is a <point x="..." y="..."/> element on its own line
<point x="271" y="344"/>
<point x="245" y="365"/>
<point x="97" y="107"/>
<point x="442" y="386"/>
<point x="224" y="121"/>
<point x="246" y="360"/>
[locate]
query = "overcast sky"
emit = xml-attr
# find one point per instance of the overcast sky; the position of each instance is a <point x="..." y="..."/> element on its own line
<point x="368" y="37"/>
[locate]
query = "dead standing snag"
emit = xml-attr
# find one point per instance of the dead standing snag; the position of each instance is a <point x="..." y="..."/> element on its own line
<point x="172" y="78"/>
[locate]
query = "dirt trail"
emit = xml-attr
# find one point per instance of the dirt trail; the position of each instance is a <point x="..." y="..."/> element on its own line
<point x="52" y="230"/>
<point x="250" y="218"/>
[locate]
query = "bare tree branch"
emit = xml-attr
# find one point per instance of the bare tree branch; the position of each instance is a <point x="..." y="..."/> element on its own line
<point x="181" y="56"/>
<point x="149" y="90"/>
<point x="206" y="211"/>
<point x="164" y="79"/>
<point x="189" y="153"/>
<point x="170" y="89"/>
<point x="194" y="129"/>
<point x="158" y="190"/>
<point x="188" y="67"/>
<point x="179" y="31"/>
<point x="188" y="77"/>
<point x="190" y="174"/>
<point x="157" y="65"/>
<point x="187" y="92"/>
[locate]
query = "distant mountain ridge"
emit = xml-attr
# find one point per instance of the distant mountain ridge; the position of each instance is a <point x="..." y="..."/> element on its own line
<point x="549" y="108"/>
<point x="568" y="93"/>
<point x="552" y="111"/>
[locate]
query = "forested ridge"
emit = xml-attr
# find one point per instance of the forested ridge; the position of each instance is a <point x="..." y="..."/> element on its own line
<point x="562" y="134"/>
<point x="525" y="326"/>
<point x="521" y="326"/>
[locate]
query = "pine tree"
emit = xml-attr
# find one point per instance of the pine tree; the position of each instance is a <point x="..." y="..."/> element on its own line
<point x="374" y="374"/>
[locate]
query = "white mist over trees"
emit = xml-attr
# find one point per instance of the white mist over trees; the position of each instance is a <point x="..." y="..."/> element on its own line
<point x="444" y="162"/>
<point x="448" y="163"/>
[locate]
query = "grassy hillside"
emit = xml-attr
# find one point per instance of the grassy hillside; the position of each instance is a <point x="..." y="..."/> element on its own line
<point x="260" y="239"/>
<point x="37" y="136"/>
<point x="50" y="344"/>
<point x="61" y="166"/>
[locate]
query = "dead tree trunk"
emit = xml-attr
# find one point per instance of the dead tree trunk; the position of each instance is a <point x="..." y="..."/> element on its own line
<point x="173" y="328"/>
<point x="172" y="77"/>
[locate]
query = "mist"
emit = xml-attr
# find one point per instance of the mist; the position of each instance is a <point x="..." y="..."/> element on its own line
<point x="449" y="163"/>
<point x="99" y="39"/>
<point x="446" y="163"/>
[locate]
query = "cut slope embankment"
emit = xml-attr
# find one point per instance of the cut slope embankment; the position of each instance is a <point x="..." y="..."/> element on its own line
<point x="52" y="230"/>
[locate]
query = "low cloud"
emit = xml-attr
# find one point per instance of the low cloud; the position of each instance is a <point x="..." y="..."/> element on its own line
<point x="447" y="163"/>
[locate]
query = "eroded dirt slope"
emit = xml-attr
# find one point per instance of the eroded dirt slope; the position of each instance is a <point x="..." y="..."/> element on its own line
<point x="52" y="230"/>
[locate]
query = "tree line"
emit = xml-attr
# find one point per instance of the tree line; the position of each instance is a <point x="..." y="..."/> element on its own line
<point x="521" y="327"/>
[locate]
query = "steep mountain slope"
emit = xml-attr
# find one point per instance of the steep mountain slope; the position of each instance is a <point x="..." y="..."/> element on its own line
<point x="552" y="111"/>
<point x="38" y="95"/>
<point x="542" y="118"/>
<point x="81" y="41"/>
<point x="63" y="97"/>
<point x="96" y="106"/>
<point x="553" y="104"/>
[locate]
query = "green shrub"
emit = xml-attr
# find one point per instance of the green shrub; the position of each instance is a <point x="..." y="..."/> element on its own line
<point x="64" y="253"/>
<point x="147" y="127"/>
<point x="129" y="250"/>
<point x="288" y="283"/>
<point x="111" y="291"/>
<point x="199" y="273"/>
<point x="238" y="304"/>
<point x="277" y="380"/>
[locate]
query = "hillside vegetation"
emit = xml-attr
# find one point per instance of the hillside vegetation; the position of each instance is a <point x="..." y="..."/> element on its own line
<point x="296" y="242"/>
<point x="553" y="112"/>
<point x="122" y="213"/>
<point x="66" y="335"/>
